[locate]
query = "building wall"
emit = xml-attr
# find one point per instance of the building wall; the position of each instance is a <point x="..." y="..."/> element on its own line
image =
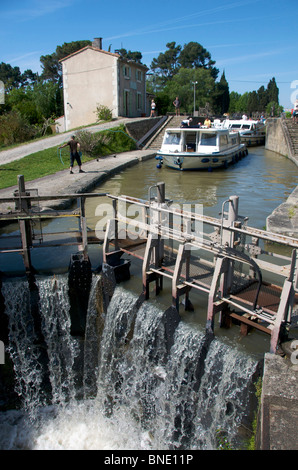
<point x="93" y="77"/>
<point x="132" y="89"/>
<point x="89" y="79"/>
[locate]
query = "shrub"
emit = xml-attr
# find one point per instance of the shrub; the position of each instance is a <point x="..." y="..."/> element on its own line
<point x="103" y="113"/>
<point x="91" y="144"/>
<point x="14" y="128"/>
<point x="105" y="142"/>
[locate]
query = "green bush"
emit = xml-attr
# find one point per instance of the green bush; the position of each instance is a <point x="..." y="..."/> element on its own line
<point x="105" y="142"/>
<point x="88" y="142"/>
<point x="103" y="113"/>
<point x="14" y="129"/>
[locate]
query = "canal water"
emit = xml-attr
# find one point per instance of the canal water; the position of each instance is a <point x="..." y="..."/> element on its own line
<point x="120" y="389"/>
<point x="262" y="180"/>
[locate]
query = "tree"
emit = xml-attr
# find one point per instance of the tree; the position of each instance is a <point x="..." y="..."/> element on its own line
<point x="257" y="101"/>
<point x="182" y="85"/>
<point x="252" y="102"/>
<point x="262" y="99"/>
<point x="14" y="128"/>
<point x="234" y="99"/>
<point x="29" y="78"/>
<point x="243" y="103"/>
<point x="221" y="96"/>
<point x="47" y="97"/>
<point x="10" y="76"/>
<point x="166" y="64"/>
<point x="273" y="109"/>
<point x="272" y="91"/>
<point x="194" y="55"/>
<point x="21" y="101"/>
<point x="136" y="56"/>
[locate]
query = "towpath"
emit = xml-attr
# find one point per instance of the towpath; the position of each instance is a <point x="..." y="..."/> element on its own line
<point x="63" y="182"/>
<point x="7" y="156"/>
<point x="95" y="172"/>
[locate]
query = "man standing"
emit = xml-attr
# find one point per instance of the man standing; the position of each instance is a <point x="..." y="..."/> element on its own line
<point x="176" y="103"/>
<point x="74" y="153"/>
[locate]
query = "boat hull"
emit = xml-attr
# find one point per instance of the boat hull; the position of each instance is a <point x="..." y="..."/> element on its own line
<point x="253" y="140"/>
<point x="194" y="161"/>
<point x="252" y="132"/>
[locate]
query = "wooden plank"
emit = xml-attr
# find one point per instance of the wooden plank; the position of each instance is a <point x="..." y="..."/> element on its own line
<point x="247" y="321"/>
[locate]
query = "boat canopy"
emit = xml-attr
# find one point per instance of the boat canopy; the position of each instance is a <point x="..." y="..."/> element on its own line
<point x="194" y="139"/>
<point x="242" y="124"/>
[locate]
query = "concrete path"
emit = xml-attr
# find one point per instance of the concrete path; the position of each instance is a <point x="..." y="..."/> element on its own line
<point x="7" y="156"/>
<point x="63" y="182"/>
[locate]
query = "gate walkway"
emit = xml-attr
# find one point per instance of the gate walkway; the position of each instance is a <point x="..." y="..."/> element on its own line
<point x="249" y="276"/>
<point x="222" y="258"/>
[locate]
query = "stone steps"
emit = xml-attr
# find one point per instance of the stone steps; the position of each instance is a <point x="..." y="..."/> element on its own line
<point x="156" y="142"/>
<point x="293" y="133"/>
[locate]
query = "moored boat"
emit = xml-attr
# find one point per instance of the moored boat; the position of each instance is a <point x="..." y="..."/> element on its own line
<point x="251" y="132"/>
<point x="200" y="148"/>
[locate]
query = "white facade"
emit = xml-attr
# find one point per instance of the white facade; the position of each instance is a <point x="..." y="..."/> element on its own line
<point x="93" y="77"/>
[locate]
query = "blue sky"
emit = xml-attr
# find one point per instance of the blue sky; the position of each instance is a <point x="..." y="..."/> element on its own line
<point x="251" y="40"/>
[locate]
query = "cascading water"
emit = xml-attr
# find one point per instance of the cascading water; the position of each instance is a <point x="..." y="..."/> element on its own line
<point x="126" y="386"/>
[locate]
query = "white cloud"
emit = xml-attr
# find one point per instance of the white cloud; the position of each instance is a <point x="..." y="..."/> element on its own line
<point x="160" y="27"/>
<point x="34" y="9"/>
<point x="24" y="56"/>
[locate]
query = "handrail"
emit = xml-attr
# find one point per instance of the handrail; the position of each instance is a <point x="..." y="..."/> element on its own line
<point x="158" y="125"/>
<point x="250" y="231"/>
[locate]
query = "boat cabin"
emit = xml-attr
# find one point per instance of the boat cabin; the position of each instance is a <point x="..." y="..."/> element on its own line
<point x="198" y="140"/>
<point x="244" y="126"/>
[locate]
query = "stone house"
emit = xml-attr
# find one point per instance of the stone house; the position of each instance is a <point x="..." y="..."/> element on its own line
<point x="92" y="77"/>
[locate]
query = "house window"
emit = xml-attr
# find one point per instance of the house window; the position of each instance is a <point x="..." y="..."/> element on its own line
<point x="139" y="101"/>
<point x="126" y="71"/>
<point x="139" y="75"/>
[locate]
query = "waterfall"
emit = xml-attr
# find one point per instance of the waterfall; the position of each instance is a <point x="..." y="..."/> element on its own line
<point x="62" y="348"/>
<point x="125" y="386"/>
<point x="23" y="349"/>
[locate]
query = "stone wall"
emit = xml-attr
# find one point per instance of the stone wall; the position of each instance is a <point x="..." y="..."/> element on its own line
<point x="278" y="414"/>
<point x="140" y="127"/>
<point x="284" y="219"/>
<point x="275" y="139"/>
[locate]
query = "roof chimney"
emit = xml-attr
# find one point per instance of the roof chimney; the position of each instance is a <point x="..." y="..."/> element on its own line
<point x="97" y="42"/>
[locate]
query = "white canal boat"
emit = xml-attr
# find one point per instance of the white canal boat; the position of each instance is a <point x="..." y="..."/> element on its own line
<point x="252" y="133"/>
<point x="199" y="148"/>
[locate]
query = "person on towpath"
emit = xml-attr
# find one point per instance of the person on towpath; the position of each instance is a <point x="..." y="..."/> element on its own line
<point x="176" y="103"/>
<point x="74" y="153"/>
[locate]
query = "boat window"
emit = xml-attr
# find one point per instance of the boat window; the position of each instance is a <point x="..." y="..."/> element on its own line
<point x="208" y="139"/>
<point x="223" y="140"/>
<point x="190" y="141"/>
<point x="172" y="139"/>
<point x="235" y="126"/>
<point x="246" y="126"/>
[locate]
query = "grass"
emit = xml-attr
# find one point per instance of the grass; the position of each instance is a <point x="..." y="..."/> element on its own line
<point x="47" y="162"/>
<point x="292" y="211"/>
<point x="252" y="442"/>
